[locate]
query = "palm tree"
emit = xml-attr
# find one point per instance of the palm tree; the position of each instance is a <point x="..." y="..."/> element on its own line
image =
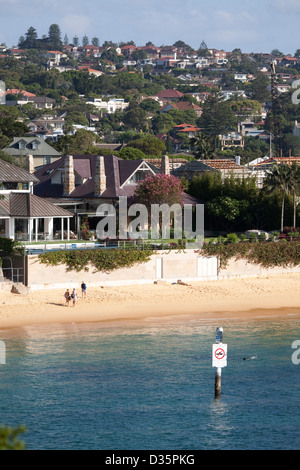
<point x="295" y="187"/>
<point x="203" y="148"/>
<point x="279" y="179"/>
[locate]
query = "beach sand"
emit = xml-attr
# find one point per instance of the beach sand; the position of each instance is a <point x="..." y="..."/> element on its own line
<point x="264" y="297"/>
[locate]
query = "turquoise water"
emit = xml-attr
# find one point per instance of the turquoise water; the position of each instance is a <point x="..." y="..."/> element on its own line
<point x="150" y="386"/>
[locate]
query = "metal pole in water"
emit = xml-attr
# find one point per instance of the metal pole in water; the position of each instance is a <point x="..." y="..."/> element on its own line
<point x="218" y="382"/>
<point x="219" y="360"/>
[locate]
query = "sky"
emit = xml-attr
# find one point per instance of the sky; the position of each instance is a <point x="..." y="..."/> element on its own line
<point x="251" y="25"/>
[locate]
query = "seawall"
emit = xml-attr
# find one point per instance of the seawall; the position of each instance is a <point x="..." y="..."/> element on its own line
<point x="187" y="266"/>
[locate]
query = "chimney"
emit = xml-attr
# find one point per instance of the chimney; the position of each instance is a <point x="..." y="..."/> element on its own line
<point x="69" y="180"/>
<point x="238" y="160"/>
<point x="165" y="165"/>
<point x="100" y="177"/>
<point x="29" y="164"/>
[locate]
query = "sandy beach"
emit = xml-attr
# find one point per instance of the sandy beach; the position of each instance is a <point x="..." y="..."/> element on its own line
<point x="276" y="295"/>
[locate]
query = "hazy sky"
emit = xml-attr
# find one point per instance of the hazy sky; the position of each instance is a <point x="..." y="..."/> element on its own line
<point x="251" y="25"/>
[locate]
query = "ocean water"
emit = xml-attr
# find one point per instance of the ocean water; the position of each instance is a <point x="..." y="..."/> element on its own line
<point x="150" y="386"/>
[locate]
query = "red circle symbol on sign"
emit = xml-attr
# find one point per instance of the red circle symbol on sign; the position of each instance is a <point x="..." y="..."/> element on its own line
<point x="220" y="353"/>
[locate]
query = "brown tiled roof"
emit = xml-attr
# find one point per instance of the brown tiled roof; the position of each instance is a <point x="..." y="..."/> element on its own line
<point x="169" y="94"/>
<point x="117" y="172"/>
<point x="223" y="164"/>
<point x="183" y="106"/>
<point x="196" y="166"/>
<point x="29" y="205"/>
<point x="13" y="174"/>
<point x="278" y="161"/>
<point x="4" y="207"/>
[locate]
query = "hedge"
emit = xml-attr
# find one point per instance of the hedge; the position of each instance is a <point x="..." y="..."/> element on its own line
<point x="101" y="260"/>
<point x="266" y="254"/>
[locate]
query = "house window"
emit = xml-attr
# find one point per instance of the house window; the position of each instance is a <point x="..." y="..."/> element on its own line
<point x="2" y="227"/>
<point x="35" y="145"/>
<point x="47" y="160"/>
<point x="8" y="186"/>
<point x="139" y="176"/>
<point x="21" y="145"/>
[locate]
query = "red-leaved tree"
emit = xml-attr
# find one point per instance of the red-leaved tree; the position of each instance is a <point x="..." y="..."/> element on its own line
<point x="159" y="189"/>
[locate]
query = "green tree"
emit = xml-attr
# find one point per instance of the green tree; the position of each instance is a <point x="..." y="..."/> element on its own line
<point x="135" y="119"/>
<point x="95" y="42"/>
<point x="78" y="143"/>
<point x="150" y="105"/>
<point x="162" y="123"/>
<point x="21" y="41"/>
<point x="290" y="143"/>
<point x="259" y="88"/>
<point x="54" y="37"/>
<point x="31" y="39"/>
<point x="203" y="147"/>
<point x="279" y="179"/>
<point x="203" y="49"/>
<point x="295" y="188"/>
<point x="131" y="153"/>
<point x="217" y="117"/>
<point x="139" y="55"/>
<point x="245" y="107"/>
<point x="9" y="127"/>
<point x="9" y="438"/>
<point x="227" y="209"/>
<point x="149" y="145"/>
<point x="277" y="53"/>
<point x="85" y="40"/>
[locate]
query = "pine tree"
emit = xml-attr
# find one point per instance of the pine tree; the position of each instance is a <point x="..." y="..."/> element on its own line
<point x="95" y="42"/>
<point x="217" y="117"/>
<point x="54" y="37"/>
<point x="85" y="40"/>
<point x="31" y="38"/>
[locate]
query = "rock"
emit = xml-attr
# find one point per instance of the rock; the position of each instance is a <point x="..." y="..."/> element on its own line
<point x="19" y="289"/>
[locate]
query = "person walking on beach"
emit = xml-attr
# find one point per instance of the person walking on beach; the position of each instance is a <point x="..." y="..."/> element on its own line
<point x="67" y="297"/>
<point x="74" y="297"/>
<point x="83" y="289"/>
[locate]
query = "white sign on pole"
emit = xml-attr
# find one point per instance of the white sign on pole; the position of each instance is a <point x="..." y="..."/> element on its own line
<point x="219" y="355"/>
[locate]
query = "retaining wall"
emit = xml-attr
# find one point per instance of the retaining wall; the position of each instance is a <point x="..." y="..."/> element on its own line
<point x="170" y="267"/>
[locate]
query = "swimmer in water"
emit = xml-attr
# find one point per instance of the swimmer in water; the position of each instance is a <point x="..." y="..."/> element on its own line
<point x="249" y="358"/>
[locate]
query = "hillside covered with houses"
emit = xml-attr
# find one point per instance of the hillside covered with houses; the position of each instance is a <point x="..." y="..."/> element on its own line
<point x="215" y="113"/>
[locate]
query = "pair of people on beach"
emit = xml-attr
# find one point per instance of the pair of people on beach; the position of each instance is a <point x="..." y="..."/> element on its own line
<point x="70" y="297"/>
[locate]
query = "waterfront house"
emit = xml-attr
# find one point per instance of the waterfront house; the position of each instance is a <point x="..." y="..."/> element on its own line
<point x="80" y="183"/>
<point x="23" y="215"/>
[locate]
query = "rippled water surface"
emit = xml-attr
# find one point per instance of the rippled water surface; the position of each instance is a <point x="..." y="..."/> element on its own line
<point x="151" y="386"/>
